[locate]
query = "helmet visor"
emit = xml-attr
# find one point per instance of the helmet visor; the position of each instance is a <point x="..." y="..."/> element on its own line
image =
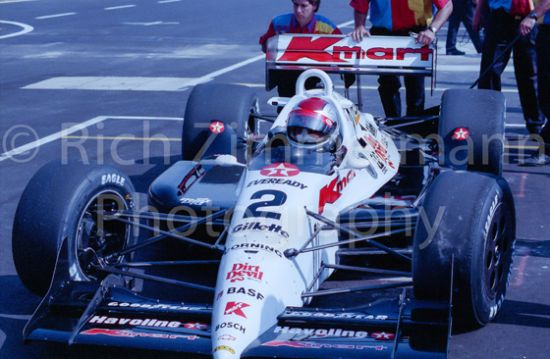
<point x="309" y="127"/>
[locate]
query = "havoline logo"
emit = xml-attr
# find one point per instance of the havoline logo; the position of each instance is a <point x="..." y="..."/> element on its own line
<point x="322" y="332"/>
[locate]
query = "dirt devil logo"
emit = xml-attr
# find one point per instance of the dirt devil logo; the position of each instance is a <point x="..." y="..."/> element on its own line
<point x="240" y="271"/>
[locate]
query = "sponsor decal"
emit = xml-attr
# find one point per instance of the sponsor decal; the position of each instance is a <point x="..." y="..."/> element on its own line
<point x="154" y="306"/>
<point x="195" y="201"/>
<point x="224" y="347"/>
<point x="112" y="178"/>
<point x="461" y="134"/>
<point x="195" y="326"/>
<point x="281" y="181"/>
<point x="254" y="246"/>
<point x="227" y="337"/>
<point x="315" y="345"/>
<point x="338" y="315"/>
<point x="248" y="291"/>
<point x="257" y="226"/>
<point x="322" y="332"/>
<point x="132" y="334"/>
<point x="323" y="49"/>
<point x="242" y="271"/>
<point x="380" y="150"/>
<point x="231" y="325"/>
<point x="219" y="295"/>
<point x="280" y="169"/>
<point x="235" y="308"/>
<point x="216" y="127"/>
<point x="383" y="336"/>
<point x="333" y="191"/>
<point x="141" y="322"/>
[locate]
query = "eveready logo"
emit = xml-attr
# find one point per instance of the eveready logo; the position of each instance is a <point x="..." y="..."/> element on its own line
<point x="320" y="332"/>
<point x="332" y="191"/>
<point x="240" y="271"/>
<point x="317" y="49"/>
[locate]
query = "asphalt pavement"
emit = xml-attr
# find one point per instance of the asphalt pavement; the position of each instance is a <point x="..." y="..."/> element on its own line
<point x="107" y="81"/>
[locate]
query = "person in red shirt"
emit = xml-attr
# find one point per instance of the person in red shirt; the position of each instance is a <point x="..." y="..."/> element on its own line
<point x="304" y="20"/>
<point x="398" y="18"/>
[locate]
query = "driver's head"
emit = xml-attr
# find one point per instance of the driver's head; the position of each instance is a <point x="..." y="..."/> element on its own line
<point x="312" y="122"/>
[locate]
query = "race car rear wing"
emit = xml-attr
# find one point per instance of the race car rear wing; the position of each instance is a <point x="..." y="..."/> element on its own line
<point x="374" y="55"/>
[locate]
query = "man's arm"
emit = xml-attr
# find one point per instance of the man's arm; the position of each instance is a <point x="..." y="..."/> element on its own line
<point x="360" y="16"/>
<point x="529" y="22"/>
<point x="426" y="37"/>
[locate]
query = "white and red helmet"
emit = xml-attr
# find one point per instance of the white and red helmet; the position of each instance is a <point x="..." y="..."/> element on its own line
<point x="312" y="122"/>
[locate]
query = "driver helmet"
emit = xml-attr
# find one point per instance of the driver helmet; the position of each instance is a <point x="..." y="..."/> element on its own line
<point x="312" y="122"/>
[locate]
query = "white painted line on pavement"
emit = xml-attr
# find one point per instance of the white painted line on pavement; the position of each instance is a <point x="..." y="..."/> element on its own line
<point x="13" y="1"/>
<point x="68" y="131"/>
<point x="103" y="83"/>
<point x="167" y="1"/>
<point x="26" y="29"/>
<point x="119" y="7"/>
<point x="55" y="15"/>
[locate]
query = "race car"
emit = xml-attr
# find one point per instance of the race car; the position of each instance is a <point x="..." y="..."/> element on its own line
<point x="331" y="234"/>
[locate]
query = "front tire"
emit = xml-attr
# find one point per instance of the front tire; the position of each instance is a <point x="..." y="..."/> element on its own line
<point x="67" y="202"/>
<point x="469" y="216"/>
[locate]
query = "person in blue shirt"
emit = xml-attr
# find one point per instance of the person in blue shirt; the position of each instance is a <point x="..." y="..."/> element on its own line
<point x="543" y="75"/>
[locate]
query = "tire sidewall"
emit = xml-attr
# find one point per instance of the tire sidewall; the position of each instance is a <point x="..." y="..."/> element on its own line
<point x="48" y="212"/>
<point x="97" y="182"/>
<point x="484" y="308"/>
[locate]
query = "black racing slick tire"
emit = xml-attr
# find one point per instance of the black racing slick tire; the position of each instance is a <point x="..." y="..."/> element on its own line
<point x="218" y="120"/>
<point x="470" y="216"/>
<point x="66" y="202"/>
<point x="481" y="113"/>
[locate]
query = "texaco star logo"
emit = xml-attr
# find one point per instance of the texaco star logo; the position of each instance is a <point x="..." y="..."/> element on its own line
<point x="195" y="326"/>
<point x="383" y="336"/>
<point x="216" y="127"/>
<point x="461" y="134"/>
<point x="280" y="169"/>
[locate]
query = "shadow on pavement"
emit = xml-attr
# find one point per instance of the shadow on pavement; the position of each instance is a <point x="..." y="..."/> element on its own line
<point x="524" y="314"/>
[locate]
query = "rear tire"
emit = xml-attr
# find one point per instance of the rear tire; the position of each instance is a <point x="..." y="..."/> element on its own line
<point x="60" y="203"/>
<point x="482" y="112"/>
<point x="478" y="228"/>
<point x="229" y="104"/>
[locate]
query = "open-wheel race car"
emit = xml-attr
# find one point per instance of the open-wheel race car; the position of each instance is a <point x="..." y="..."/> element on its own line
<point x="331" y="234"/>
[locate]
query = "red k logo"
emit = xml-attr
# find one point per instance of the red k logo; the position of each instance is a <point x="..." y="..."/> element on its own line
<point x="235" y="308"/>
<point x="307" y="47"/>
